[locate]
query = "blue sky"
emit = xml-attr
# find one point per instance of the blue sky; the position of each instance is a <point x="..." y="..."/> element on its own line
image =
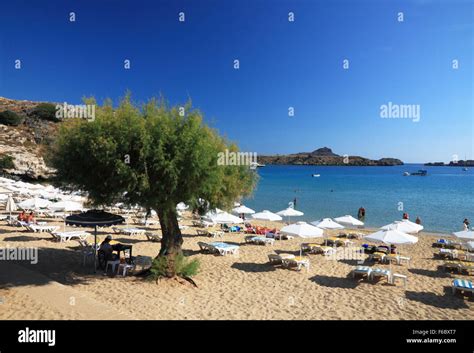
<point x="282" y="64"/>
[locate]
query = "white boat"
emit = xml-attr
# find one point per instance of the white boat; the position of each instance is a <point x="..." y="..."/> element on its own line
<point x="406" y="174"/>
<point x="316" y="175"/>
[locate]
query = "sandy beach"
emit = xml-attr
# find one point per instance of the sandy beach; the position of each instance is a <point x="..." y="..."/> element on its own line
<point x="229" y="287"/>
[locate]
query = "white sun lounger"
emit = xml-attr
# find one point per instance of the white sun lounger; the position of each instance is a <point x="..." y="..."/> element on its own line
<point x="298" y="262"/>
<point x="129" y="231"/>
<point x="259" y="240"/>
<point x="378" y="272"/>
<point x="40" y="228"/>
<point x="363" y="271"/>
<point x="66" y="236"/>
<point x="153" y="236"/>
<point x="277" y="259"/>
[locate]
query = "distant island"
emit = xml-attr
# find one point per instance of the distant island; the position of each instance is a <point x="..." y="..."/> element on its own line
<point x="461" y="163"/>
<point x="325" y="156"/>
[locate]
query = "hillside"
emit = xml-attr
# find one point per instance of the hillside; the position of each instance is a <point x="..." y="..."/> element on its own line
<point x="325" y="156"/>
<point x="26" y="142"/>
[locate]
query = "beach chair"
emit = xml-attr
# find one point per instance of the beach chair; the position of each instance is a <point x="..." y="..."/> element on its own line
<point x="398" y="276"/>
<point x="297" y="262"/>
<point x="216" y="234"/>
<point x="153" y="236"/>
<point x="467" y="267"/>
<point x="355" y="235"/>
<point x="377" y="256"/>
<point x="204" y="247"/>
<point x="259" y="240"/>
<point x="444" y="253"/>
<point x="224" y="248"/>
<point x="280" y="236"/>
<point x="41" y="228"/>
<point x="67" y="236"/>
<point x="202" y="232"/>
<point x="463" y="286"/>
<point x="277" y="259"/>
<point x="452" y="265"/>
<point x="129" y="231"/>
<point x="362" y="271"/>
<point x="378" y="273"/>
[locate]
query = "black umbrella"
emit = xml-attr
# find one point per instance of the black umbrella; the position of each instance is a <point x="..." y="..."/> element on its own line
<point x="94" y="218"/>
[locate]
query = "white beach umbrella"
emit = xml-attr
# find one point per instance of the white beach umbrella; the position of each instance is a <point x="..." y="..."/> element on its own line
<point x="348" y="220"/>
<point x="5" y="190"/>
<point x="290" y="212"/>
<point x="67" y="206"/>
<point x="242" y="209"/>
<point x="10" y="206"/>
<point x="266" y="215"/>
<point x="465" y="235"/>
<point x="34" y="203"/>
<point x="302" y="230"/>
<point x="327" y="223"/>
<point x="224" y="217"/>
<point x="404" y="226"/>
<point x="391" y="236"/>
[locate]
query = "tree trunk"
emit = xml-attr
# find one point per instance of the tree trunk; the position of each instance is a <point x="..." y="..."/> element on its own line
<point x="172" y="239"/>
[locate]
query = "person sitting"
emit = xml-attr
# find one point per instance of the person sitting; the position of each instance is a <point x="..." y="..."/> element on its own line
<point x="22" y="217"/>
<point x="30" y="218"/>
<point x="107" y="249"/>
<point x="393" y="249"/>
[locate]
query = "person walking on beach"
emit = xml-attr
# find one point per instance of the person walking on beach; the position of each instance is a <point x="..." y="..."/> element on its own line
<point x="466" y="224"/>
<point x="418" y="220"/>
<point x="361" y="213"/>
<point x="294" y="203"/>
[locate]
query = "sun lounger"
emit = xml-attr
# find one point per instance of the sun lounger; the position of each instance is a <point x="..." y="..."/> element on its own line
<point x="398" y="259"/>
<point x="377" y="256"/>
<point x="462" y="286"/>
<point x="40" y="228"/>
<point x="363" y="271"/>
<point x="259" y="240"/>
<point x="66" y="236"/>
<point x="144" y="222"/>
<point x="355" y="235"/>
<point x="153" y="236"/>
<point x="277" y="259"/>
<point x="452" y="265"/>
<point x="446" y="243"/>
<point x="219" y="248"/>
<point x="467" y="267"/>
<point x="318" y="249"/>
<point x="216" y="234"/>
<point x="298" y="262"/>
<point x="202" y="232"/>
<point x="398" y="276"/>
<point x="377" y="273"/>
<point x="129" y="231"/>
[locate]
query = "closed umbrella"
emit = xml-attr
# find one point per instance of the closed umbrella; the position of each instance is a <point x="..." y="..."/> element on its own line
<point x="266" y="215"/>
<point x="94" y="218"/>
<point x="10" y="206"/>
<point x="348" y="220"/>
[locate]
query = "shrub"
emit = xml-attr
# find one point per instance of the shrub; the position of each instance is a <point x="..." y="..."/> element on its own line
<point x="183" y="267"/>
<point x="8" y="117"/>
<point x="6" y="162"/>
<point x="45" y="111"/>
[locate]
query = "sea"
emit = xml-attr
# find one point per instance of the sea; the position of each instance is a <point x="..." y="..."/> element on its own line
<point x="442" y="199"/>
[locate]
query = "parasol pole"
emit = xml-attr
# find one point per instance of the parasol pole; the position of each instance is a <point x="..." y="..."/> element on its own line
<point x="95" y="248"/>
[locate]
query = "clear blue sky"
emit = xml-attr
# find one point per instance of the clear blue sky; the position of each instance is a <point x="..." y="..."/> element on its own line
<point x="283" y="64"/>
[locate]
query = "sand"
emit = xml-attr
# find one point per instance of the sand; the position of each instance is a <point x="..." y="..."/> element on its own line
<point x="230" y="287"/>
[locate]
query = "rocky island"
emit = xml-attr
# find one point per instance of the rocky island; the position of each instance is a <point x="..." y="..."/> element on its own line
<point x="325" y="156"/>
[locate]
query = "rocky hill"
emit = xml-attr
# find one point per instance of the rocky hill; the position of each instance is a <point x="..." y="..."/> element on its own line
<point x="325" y="156"/>
<point x="25" y="142"/>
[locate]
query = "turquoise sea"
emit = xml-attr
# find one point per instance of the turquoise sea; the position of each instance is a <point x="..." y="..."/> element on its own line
<point x="442" y="199"/>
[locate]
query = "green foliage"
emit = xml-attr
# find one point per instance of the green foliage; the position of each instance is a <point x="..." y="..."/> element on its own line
<point x="6" y="162"/>
<point x="8" y="117"/>
<point x="150" y="156"/>
<point x="182" y="267"/>
<point x="45" y="111"/>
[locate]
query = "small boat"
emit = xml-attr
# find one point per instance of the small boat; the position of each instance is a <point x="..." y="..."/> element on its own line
<point x="465" y="169"/>
<point x="256" y="165"/>
<point x="316" y="175"/>
<point x="420" y="172"/>
<point x="406" y="174"/>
